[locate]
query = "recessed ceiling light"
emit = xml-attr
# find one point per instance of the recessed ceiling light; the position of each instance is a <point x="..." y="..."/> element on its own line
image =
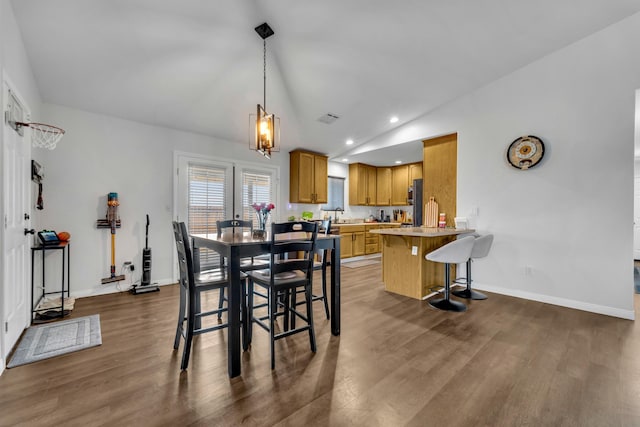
<point x="398" y="162"/>
<point x="349" y="141"/>
<point x="345" y="160"/>
<point x="393" y="119"/>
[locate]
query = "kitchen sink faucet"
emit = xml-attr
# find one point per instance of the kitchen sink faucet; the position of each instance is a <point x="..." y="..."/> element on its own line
<point x="336" y="210"/>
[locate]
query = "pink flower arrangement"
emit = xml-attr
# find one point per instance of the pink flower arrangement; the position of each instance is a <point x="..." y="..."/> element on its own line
<point x="262" y="211"/>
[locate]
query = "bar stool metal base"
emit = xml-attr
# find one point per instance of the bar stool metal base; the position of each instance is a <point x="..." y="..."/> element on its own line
<point x="469" y="294"/>
<point x="448" y="305"/>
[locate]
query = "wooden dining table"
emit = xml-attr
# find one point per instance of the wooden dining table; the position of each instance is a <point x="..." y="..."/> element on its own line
<point x="235" y="246"/>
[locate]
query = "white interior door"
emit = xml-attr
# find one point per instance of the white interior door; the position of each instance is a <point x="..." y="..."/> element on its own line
<point x="636" y="218"/>
<point x="16" y="178"/>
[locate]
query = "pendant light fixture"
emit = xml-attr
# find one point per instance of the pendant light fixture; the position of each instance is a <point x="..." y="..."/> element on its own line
<point x="264" y="128"/>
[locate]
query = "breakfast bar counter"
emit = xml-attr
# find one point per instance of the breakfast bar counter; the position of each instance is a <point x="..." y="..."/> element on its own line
<point x="405" y="271"/>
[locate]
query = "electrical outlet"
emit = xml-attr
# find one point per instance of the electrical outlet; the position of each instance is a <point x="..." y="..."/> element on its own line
<point x="414" y="250"/>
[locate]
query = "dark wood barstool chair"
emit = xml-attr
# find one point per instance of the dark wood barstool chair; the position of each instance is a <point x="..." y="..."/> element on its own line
<point x="192" y="284"/>
<point x="246" y="264"/>
<point x="481" y="247"/>
<point x="455" y="252"/>
<point x="320" y="264"/>
<point x="282" y="279"/>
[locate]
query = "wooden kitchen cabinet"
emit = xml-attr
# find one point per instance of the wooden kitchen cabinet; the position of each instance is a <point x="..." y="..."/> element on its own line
<point x="383" y="186"/>
<point x="400" y="185"/>
<point x="415" y="172"/>
<point x="308" y="177"/>
<point x="371" y="241"/>
<point x="362" y="184"/>
<point x="352" y="242"/>
<point x="401" y="179"/>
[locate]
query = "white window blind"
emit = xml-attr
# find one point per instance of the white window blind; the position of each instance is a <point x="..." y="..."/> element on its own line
<point x="206" y="205"/>
<point x="256" y="188"/>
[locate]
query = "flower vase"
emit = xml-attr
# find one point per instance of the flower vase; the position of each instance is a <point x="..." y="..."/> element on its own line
<point x="261" y="231"/>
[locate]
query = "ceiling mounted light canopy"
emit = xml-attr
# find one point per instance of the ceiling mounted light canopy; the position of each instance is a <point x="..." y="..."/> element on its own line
<point x="264" y="128"/>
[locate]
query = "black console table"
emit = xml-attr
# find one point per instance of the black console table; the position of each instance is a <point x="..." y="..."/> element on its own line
<point x="64" y="248"/>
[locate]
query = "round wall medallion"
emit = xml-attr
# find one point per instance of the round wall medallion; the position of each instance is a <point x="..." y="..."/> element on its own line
<point x="525" y="152"/>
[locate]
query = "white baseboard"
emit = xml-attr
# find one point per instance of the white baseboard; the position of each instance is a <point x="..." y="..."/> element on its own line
<point x="112" y="288"/>
<point x="562" y="302"/>
<point x="2" y="366"/>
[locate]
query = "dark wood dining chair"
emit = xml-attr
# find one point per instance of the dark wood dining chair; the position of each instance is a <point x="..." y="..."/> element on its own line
<point x="192" y="285"/>
<point x="282" y="279"/>
<point x="320" y="263"/>
<point x="246" y="264"/>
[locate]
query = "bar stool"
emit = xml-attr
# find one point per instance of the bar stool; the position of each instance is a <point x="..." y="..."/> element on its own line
<point x="481" y="248"/>
<point x="455" y="252"/>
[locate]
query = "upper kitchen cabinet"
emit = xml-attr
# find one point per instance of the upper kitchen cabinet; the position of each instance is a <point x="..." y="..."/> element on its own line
<point x="401" y="179"/>
<point x="362" y="184"/>
<point x="308" y="177"/>
<point x="400" y="185"/>
<point x="415" y="172"/>
<point x="383" y="186"/>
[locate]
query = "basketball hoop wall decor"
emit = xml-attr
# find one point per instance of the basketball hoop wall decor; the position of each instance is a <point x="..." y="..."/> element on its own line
<point x="42" y="135"/>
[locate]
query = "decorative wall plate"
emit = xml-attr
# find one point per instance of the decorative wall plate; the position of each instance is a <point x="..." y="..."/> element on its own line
<point x="525" y="152"/>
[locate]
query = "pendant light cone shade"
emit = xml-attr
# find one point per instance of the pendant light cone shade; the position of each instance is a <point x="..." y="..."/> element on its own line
<point x="264" y="128"/>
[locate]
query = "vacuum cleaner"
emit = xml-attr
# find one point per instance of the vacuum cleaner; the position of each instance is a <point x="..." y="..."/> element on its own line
<point x="145" y="282"/>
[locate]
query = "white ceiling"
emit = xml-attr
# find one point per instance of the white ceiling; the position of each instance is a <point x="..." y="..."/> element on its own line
<point x="196" y="65"/>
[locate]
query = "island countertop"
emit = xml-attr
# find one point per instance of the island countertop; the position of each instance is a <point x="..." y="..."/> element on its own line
<point x="423" y="231"/>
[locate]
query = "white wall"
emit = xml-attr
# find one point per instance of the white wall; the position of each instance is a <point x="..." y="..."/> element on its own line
<point x="570" y="218"/>
<point x="101" y="154"/>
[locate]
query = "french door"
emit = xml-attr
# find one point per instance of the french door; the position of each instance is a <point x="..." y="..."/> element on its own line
<point x="212" y="189"/>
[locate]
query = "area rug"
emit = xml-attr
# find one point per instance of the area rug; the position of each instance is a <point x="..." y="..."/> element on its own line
<point x="363" y="263"/>
<point x="54" y="339"/>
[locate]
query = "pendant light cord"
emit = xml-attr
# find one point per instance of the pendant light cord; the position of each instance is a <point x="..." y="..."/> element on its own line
<point x="264" y="74"/>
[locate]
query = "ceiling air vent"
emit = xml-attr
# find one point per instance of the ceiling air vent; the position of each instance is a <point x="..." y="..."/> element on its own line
<point x="328" y="118"/>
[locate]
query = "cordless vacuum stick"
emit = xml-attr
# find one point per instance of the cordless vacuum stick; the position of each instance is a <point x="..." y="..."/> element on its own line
<point x="145" y="282"/>
<point x="112" y="217"/>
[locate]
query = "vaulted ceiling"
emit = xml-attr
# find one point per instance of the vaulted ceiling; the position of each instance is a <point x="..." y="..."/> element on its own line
<point x="197" y="65"/>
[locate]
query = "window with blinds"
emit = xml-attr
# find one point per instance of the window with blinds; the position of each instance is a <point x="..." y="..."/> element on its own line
<point x="335" y="194"/>
<point x="256" y="188"/>
<point x="206" y="205"/>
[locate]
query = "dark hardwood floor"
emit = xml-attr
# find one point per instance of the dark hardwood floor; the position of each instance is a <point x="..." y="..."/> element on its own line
<point x="505" y="362"/>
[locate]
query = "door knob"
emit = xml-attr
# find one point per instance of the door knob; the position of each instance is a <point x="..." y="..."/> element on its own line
<point x="27" y="231"/>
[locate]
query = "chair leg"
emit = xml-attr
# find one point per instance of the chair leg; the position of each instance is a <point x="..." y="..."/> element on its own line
<point x="221" y="303"/>
<point x="325" y="299"/>
<point x="293" y="305"/>
<point x="181" y="309"/>
<point x="286" y="298"/>
<point x="191" y="325"/>
<point x="245" y="318"/>
<point x="273" y="306"/>
<point x="469" y="293"/>
<point x="446" y="303"/>
<point x="249" y="313"/>
<point x="312" y="335"/>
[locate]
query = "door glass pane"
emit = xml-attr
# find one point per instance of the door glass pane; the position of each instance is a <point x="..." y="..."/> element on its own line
<point x="206" y="205"/>
<point x="256" y="188"/>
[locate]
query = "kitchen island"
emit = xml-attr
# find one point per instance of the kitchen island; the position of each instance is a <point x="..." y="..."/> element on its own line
<point x="405" y="271"/>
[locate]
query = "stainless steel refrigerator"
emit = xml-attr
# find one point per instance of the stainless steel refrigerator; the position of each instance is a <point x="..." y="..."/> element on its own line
<point x="418" y="202"/>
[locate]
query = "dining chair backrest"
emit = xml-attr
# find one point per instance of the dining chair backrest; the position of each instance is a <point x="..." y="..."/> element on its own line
<point x="293" y="236"/>
<point x="325" y="227"/>
<point x="481" y="246"/>
<point x="185" y="259"/>
<point x="233" y="224"/>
